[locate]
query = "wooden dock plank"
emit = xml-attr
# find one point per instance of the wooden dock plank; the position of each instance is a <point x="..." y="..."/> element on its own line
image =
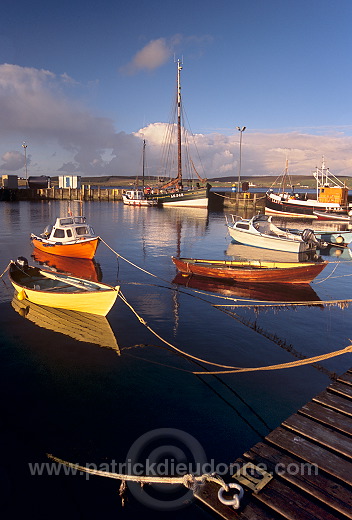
<point x="319" y="433"/>
<point x="310" y="458"/>
<point x="334" y="419"/>
<point x="312" y="453"/>
<point x="345" y="378"/>
<point x="293" y="470"/>
<point x="341" y="388"/>
<point x="292" y="504"/>
<point x="335" y="402"/>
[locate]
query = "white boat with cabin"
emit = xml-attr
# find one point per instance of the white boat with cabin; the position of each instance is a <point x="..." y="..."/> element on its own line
<point x="259" y="231"/>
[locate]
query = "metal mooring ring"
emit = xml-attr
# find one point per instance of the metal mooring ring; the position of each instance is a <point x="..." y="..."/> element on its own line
<point x="235" y="501"/>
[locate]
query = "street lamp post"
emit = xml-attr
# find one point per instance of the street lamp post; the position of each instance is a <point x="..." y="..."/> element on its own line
<point x="241" y="130"/>
<point x="25" y="159"/>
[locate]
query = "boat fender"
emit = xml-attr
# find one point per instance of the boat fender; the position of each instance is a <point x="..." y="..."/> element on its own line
<point x="21" y="295"/>
<point x="339" y="240"/>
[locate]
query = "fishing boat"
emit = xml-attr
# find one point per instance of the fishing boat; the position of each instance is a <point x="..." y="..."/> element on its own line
<point x="252" y="271"/>
<point x="333" y="215"/>
<point x="69" y="236"/>
<point x="136" y="196"/>
<point x="272" y="292"/>
<point x="260" y="231"/>
<point x="59" y="290"/>
<point x="175" y="192"/>
<point x="80" y="326"/>
<point x="81" y="267"/>
<point x="331" y="198"/>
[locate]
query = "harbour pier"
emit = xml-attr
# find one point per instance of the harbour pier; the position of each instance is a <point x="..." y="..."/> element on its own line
<point x="302" y="470"/>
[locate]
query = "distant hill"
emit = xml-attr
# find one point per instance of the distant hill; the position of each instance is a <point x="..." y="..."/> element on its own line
<point x="268" y="180"/>
<point x="261" y="181"/>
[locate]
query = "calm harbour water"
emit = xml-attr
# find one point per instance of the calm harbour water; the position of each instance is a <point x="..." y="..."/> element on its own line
<point x="93" y="405"/>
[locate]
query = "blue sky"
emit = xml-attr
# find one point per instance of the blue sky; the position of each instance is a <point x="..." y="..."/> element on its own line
<point x="83" y="82"/>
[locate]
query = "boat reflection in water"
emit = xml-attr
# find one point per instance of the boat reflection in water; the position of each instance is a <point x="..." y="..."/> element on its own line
<point x="80" y="267"/>
<point x="254" y="291"/>
<point x="81" y="326"/>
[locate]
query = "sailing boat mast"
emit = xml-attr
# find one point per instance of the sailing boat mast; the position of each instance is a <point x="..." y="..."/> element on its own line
<point x="179" y="133"/>
<point x="143" y="164"/>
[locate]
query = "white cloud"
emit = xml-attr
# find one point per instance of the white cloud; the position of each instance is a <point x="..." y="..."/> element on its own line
<point x="35" y="108"/>
<point x="153" y="55"/>
<point x="13" y="161"/>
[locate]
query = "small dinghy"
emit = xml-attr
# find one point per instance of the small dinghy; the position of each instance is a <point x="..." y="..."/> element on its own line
<point x="60" y="290"/>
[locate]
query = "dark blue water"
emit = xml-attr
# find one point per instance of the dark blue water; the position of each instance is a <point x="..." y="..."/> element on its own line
<point x="92" y="405"/>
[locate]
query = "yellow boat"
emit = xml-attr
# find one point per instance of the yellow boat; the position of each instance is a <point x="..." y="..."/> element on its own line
<point x="80" y="326"/>
<point x="60" y="290"/>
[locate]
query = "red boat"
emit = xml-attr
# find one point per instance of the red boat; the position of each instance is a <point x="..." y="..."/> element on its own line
<point x="254" y="271"/>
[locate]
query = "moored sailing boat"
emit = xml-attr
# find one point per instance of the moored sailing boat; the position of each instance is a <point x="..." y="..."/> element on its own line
<point x="136" y="196"/>
<point x="174" y="192"/>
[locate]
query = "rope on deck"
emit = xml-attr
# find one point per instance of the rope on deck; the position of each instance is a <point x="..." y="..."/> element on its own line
<point x="233" y="369"/>
<point x="189" y="481"/>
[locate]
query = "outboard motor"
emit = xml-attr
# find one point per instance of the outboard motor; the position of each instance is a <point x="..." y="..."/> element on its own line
<point x="22" y="262"/>
<point x="309" y="237"/>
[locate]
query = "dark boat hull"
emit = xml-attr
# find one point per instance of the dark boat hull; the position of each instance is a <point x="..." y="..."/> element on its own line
<point x="197" y="198"/>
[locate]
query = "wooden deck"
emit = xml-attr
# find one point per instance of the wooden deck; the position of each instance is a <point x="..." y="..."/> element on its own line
<point x="310" y="458"/>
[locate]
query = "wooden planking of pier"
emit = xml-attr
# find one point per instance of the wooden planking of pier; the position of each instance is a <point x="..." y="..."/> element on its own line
<point x="310" y="459"/>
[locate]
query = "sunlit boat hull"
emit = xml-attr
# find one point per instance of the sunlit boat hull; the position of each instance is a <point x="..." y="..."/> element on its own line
<point x="61" y="291"/>
<point x="251" y="271"/>
<point x="82" y="249"/>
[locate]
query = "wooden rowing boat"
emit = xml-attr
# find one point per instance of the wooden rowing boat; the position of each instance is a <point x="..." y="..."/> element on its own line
<point x="251" y="270"/>
<point x="60" y="290"/>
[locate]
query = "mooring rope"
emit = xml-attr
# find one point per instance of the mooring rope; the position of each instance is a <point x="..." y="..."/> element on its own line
<point x="187" y="480"/>
<point x="128" y="261"/>
<point x="232" y="369"/>
<point x="6" y="269"/>
<point x="259" y="304"/>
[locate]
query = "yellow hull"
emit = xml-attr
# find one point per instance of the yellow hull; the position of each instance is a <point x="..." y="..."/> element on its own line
<point x="94" y="302"/>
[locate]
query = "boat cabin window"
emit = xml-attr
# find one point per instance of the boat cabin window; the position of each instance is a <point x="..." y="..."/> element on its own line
<point x="59" y="233"/>
<point x="82" y="230"/>
<point x="69" y="232"/>
<point x="242" y="226"/>
<point x="80" y="220"/>
<point x="66" y="221"/>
